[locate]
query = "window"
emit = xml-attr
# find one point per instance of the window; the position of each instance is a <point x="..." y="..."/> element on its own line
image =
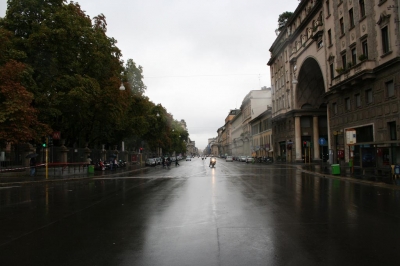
<point x="362" y="8"/>
<point x="392" y="130"/>
<point x="353" y="56"/>
<point x="368" y="95"/>
<point x="390" y="88"/>
<point x="331" y="71"/>
<point x="344" y="61"/>
<point x="320" y="44"/>
<point x="341" y="26"/>
<point x="347" y="102"/>
<point x="385" y="40"/>
<point x="365" y="48"/>
<point x="330" y="37"/>
<point x="334" y="108"/>
<point x="351" y="18"/>
<point x="358" y="100"/>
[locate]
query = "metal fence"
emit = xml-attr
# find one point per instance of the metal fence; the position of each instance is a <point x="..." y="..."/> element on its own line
<point x="14" y="157"/>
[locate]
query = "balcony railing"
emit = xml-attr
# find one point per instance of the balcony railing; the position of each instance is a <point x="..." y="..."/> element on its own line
<point x="346" y="74"/>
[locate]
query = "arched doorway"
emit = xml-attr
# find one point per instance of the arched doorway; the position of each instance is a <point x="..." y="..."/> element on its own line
<point x="310" y="89"/>
<point x="311" y="127"/>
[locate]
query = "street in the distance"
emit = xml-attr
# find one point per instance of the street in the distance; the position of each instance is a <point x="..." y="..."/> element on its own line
<point x="233" y="214"/>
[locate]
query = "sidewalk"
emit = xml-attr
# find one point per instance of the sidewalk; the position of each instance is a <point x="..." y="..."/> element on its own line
<point x="370" y="176"/>
<point x="324" y="170"/>
<point x="10" y="178"/>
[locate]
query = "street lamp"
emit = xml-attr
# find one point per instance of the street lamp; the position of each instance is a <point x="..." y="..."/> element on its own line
<point x="158" y="144"/>
<point x="122" y="87"/>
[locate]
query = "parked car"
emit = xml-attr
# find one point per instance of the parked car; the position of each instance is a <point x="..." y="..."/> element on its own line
<point x="150" y="162"/>
<point x="249" y="159"/>
<point x="229" y="159"/>
<point x="242" y="159"/>
<point x="188" y="158"/>
<point x="368" y="159"/>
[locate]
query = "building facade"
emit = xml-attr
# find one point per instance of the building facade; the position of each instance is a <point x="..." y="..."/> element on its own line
<point x="236" y="126"/>
<point x="261" y="133"/>
<point x="254" y="104"/>
<point x="335" y="70"/>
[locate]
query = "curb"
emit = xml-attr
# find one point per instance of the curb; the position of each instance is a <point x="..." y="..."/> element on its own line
<point x="354" y="180"/>
<point x="65" y="179"/>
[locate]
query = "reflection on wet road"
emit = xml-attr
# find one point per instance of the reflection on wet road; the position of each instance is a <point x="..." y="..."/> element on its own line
<point x="234" y="214"/>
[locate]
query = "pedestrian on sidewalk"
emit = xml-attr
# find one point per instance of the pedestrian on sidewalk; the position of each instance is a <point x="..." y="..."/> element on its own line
<point x="32" y="164"/>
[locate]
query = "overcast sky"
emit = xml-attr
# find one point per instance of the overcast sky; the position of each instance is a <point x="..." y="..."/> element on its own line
<point x="200" y="58"/>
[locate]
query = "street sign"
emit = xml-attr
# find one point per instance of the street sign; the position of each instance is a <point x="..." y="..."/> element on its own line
<point x="351" y="137"/>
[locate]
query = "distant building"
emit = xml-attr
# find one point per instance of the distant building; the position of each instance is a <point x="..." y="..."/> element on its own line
<point x="261" y="134"/>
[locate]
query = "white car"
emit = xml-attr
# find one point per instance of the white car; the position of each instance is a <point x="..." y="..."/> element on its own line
<point x="249" y="159"/>
<point x="150" y="162"/>
<point x="229" y="159"/>
<point x="188" y="158"/>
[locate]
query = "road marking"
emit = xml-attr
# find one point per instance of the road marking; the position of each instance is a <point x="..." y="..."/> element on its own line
<point x="10" y="187"/>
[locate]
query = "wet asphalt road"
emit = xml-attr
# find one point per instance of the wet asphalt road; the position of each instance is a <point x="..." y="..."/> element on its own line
<point x="235" y="214"/>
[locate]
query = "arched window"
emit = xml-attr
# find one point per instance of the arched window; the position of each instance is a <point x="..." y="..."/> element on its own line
<point x="306" y="106"/>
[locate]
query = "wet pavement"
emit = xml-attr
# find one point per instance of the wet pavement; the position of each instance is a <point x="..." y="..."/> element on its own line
<point x="235" y="214"/>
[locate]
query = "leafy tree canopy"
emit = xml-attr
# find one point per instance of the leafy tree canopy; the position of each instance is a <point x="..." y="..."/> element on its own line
<point x="134" y="77"/>
<point x="18" y="119"/>
<point x="59" y="71"/>
<point x="282" y="19"/>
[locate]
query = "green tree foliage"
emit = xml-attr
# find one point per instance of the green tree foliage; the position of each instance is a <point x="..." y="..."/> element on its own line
<point x="18" y="119"/>
<point x="134" y="77"/>
<point x="76" y="67"/>
<point x="282" y="19"/>
<point x="178" y="138"/>
<point x="64" y="74"/>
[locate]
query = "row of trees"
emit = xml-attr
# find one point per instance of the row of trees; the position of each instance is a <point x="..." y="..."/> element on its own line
<point x="59" y="71"/>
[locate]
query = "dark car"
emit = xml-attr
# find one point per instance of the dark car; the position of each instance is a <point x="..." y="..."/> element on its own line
<point x="368" y="159"/>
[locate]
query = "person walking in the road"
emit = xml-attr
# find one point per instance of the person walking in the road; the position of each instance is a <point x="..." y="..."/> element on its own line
<point x="176" y="161"/>
<point x="168" y="162"/>
<point x="32" y="164"/>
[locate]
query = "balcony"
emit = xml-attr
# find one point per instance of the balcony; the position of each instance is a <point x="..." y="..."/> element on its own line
<point x="359" y="72"/>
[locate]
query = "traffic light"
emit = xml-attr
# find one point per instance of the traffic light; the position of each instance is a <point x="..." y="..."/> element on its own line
<point x="304" y="144"/>
<point x="44" y="145"/>
<point x="140" y="150"/>
<point x="50" y="141"/>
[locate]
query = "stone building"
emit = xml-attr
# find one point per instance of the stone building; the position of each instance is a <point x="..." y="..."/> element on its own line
<point x="261" y="134"/>
<point x="253" y="104"/>
<point x="334" y="70"/>
<point x="191" y="147"/>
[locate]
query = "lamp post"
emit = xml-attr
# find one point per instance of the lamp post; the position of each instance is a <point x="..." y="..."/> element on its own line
<point x="122" y="87"/>
<point x="158" y="143"/>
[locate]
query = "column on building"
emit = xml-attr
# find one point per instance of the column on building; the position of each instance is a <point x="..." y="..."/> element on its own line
<point x="315" y="138"/>
<point x="297" y="128"/>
